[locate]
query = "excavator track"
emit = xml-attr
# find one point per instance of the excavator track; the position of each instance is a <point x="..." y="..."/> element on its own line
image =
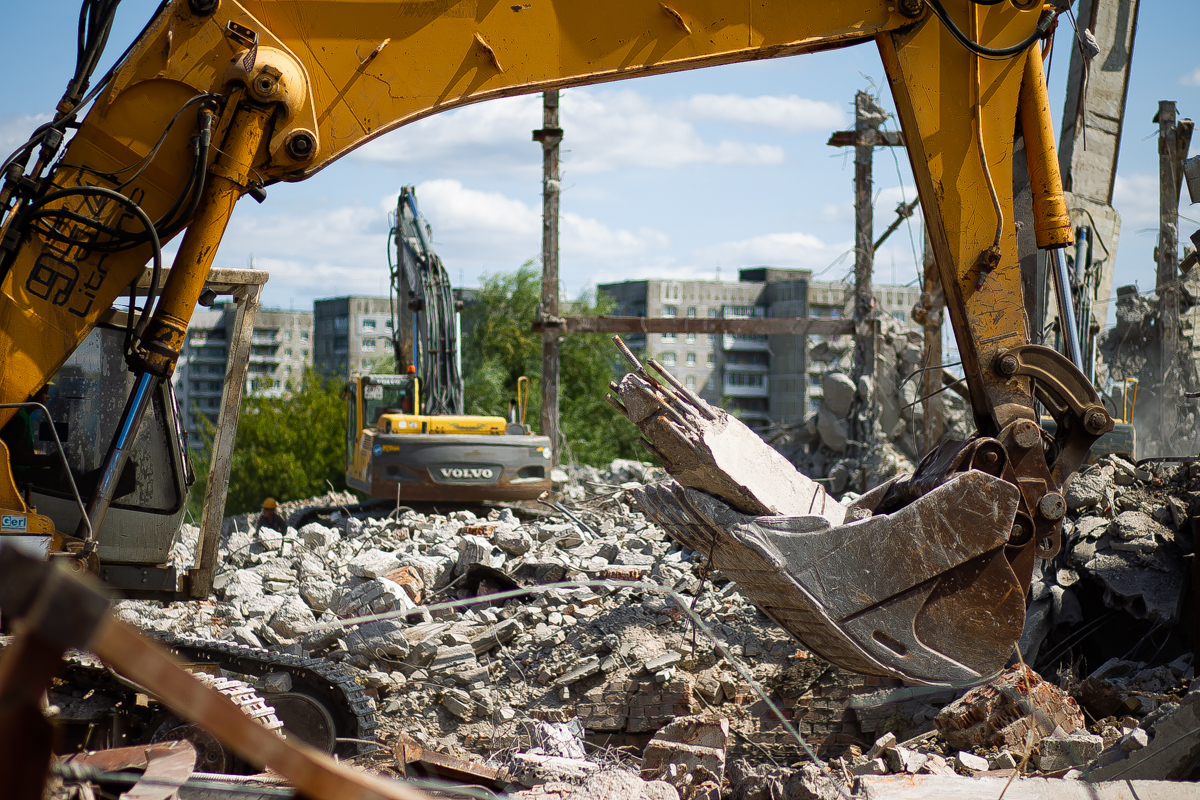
<point x="325" y="706"/>
<point x="325" y="703"/>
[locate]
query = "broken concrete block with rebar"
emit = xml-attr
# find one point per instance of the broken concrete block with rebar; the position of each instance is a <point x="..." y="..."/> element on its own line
<point x="706" y="448"/>
<point x="1002" y="712"/>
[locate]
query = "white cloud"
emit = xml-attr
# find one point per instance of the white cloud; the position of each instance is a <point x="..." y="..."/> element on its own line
<point x="790" y="113"/>
<point x="15" y="130"/>
<point x="1135" y="196"/>
<point x="493" y="137"/>
<point x="605" y="130"/>
<point x="451" y="207"/>
<point x="621" y="128"/>
<point x="1190" y="79"/>
<point x="343" y="250"/>
<point x="788" y="249"/>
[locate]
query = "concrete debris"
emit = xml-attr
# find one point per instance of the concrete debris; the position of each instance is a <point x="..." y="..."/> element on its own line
<point x="556" y="686"/>
<point x="893" y="426"/>
<point x="689" y="754"/>
<point x="1163" y="746"/>
<point x="605" y="784"/>
<point x="970" y="763"/>
<point x="944" y="787"/>
<point x="1002" y="712"/>
<point x="1058" y="752"/>
<point x="771" y="782"/>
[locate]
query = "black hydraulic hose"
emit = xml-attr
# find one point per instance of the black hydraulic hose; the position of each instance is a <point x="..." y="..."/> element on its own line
<point x="145" y="161"/>
<point x="990" y="52"/>
<point x="144" y="218"/>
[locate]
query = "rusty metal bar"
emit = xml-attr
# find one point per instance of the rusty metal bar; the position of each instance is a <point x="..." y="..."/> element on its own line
<point x="779" y="326"/>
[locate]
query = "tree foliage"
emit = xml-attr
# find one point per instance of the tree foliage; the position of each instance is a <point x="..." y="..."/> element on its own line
<point x="289" y="447"/>
<point x="499" y="346"/>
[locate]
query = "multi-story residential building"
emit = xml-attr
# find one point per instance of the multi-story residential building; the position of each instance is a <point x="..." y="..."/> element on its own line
<point x="764" y="379"/>
<point x="281" y="348"/>
<point x="351" y="334"/>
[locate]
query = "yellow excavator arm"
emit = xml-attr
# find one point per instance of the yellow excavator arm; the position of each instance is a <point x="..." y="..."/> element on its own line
<point x="220" y="98"/>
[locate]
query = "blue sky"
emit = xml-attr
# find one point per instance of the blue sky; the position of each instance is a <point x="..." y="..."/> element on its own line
<point x="689" y="175"/>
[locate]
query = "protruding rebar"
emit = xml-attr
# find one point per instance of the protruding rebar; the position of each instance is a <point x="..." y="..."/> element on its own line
<point x="617" y="404"/>
<point x="625" y="351"/>
<point x="691" y="397"/>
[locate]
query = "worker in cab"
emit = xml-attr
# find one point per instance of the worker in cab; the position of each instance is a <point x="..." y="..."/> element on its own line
<point x="269" y="518"/>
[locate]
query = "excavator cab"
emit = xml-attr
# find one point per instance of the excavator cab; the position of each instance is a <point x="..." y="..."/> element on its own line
<point x="86" y="400"/>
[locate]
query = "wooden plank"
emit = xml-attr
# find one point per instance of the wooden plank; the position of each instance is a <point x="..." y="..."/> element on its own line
<point x="550" y="135"/>
<point x="793" y="326"/>
<point x="947" y="787"/>
<point x="866" y="139"/>
<point x="200" y="578"/>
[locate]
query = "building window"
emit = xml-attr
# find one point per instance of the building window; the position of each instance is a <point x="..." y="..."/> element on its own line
<point x="304" y="336"/>
<point x="668" y="359"/>
<point x="835" y="313"/>
<point x="668" y="337"/>
<point x="900" y="315"/>
<point x="287" y="370"/>
<point x="287" y="351"/>
<point x="691" y="359"/>
<point x="670" y="312"/>
<point x="368" y="324"/>
<point x="691" y="338"/>
<point x="368" y="344"/>
<point x="744" y="379"/>
<point x="341" y="324"/>
<point x="690" y="381"/>
<point x="304" y="354"/>
<point x="387" y="323"/>
<point x="692" y="312"/>
<point x="709" y="359"/>
<point x="287" y="336"/>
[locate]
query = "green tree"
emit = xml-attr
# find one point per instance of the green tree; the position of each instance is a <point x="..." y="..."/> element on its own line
<point x="499" y="346"/>
<point x="289" y="447"/>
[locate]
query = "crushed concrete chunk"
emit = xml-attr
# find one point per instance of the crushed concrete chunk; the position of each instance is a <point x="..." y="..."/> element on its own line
<point x="688" y="753"/>
<point x="381" y="639"/>
<point x="969" y="762"/>
<point x="1146" y="587"/>
<point x="1061" y="752"/>
<point x="373" y="564"/>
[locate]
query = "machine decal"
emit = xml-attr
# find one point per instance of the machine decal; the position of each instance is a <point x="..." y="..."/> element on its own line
<point x="14" y="523"/>
<point x="468" y="473"/>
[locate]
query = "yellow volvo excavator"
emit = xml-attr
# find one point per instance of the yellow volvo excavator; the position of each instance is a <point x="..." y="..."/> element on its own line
<point x="217" y="99"/>
<point x="407" y="438"/>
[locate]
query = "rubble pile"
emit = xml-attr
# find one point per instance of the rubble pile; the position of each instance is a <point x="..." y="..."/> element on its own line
<point x="485" y="680"/>
<point x="558" y="686"/>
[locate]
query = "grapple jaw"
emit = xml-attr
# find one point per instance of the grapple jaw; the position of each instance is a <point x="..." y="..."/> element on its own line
<point x="924" y="594"/>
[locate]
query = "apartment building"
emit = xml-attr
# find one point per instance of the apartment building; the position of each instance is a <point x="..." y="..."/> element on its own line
<point x="351" y="334"/>
<point x="764" y="379"/>
<point x="281" y="347"/>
